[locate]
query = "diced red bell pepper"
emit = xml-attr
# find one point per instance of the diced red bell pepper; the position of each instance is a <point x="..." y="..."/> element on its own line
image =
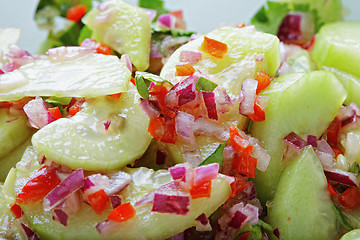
<point x="122" y="213"/>
<point x="201" y="190"/>
<point x="350" y="198"/>
<point x="185" y="69"/>
<point x="246" y="164"/>
<point x="214" y="47"/>
<point x="39" y="186"/>
<point x="132" y="80"/>
<point x="99" y="201"/>
<point x="115" y="96"/>
<point x="244" y="236"/>
<point x="75" y="107"/>
<point x="55" y="111"/>
<point x="177" y="14"/>
<point x="337" y="150"/>
<point x="332" y="132"/>
<point x="75" y="13"/>
<point x="331" y="190"/>
<point x="16" y="210"/>
<point x="263" y="80"/>
<point x="240" y="25"/>
<point x="237" y="186"/>
<point x="259" y="113"/>
<point x="156" y="127"/>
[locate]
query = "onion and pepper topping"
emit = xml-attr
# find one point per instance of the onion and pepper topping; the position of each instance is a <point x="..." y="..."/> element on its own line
<point x="247" y="96"/>
<point x="184" y="125"/>
<point x="75" y="13"/>
<point x="350" y="198"/>
<point x="99" y="201"/>
<point x="71" y="184"/>
<point x="209" y="100"/>
<point x="206" y="173"/>
<point x="31" y="235"/>
<point x="343" y="177"/>
<point x="115" y="201"/>
<point x="202" y="223"/>
<point x="16" y="210"/>
<point x="122" y="213"/>
<point x="185" y="69"/>
<point x="38" y="186"/>
<point x="117" y="182"/>
<point x="38" y="114"/>
<point x="99" y="47"/>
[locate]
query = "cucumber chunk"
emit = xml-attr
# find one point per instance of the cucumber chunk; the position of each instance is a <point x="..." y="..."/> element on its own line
<point x="91" y="75"/>
<point x="304" y="103"/>
<point x="83" y="142"/>
<point x="350" y="83"/>
<point x="245" y="45"/>
<point x="302" y="207"/>
<point x="145" y="224"/>
<point x="128" y="30"/>
<point x="13" y="131"/>
<point x="352" y="235"/>
<point x="338" y="45"/>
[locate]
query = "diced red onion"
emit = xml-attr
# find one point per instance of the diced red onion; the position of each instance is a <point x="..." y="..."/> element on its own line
<point x="31" y="235"/>
<point x="185" y="90"/>
<point x="103" y="6"/>
<point x="94" y="183"/>
<point x="294" y="141"/>
<point x="247" y="96"/>
<point x="107" y="124"/>
<point x="118" y="181"/>
<point x="161" y="156"/>
<point x="311" y="140"/>
<point x="178" y="171"/>
<point x="340" y="176"/>
<point x="276" y="233"/>
<point x="252" y="213"/>
<point x="249" y="193"/>
<point x="259" y="57"/>
<point x="350" y="124"/>
<point x="155" y="51"/>
<point x="203" y="223"/>
<point x="346" y="112"/>
<point x="115" y="201"/>
<point x="151" y="85"/>
<point x="9" y="67"/>
<point x="206" y="127"/>
<point x="352" y="147"/>
<point x="71" y="184"/>
<point x="263" y="158"/>
<point x="60" y="54"/>
<point x="356" y="108"/>
<point x="125" y="59"/>
<point x="190" y="56"/>
<point x="105" y="228"/>
<point x="72" y="203"/>
<point x="172" y="204"/>
<point x="19" y="56"/>
<point x="323" y="146"/>
<point x="326" y="159"/>
<point x="151" y="13"/>
<point x="149" y="108"/>
<point x="168" y="188"/>
<point x="209" y="100"/>
<point x="60" y="216"/>
<point x="184" y="124"/>
<point x="223" y="100"/>
<point x="237" y="220"/>
<point x="206" y="173"/>
<point x="167" y="21"/>
<point x="38" y="114"/>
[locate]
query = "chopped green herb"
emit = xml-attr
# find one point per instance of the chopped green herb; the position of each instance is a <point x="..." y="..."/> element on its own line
<point x="216" y="156"/>
<point x="85" y="32"/>
<point x="157" y="5"/>
<point x="206" y="85"/>
<point x="143" y="80"/>
<point x="354" y="168"/>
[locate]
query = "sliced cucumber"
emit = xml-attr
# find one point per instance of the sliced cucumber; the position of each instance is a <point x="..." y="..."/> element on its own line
<point x="91" y="75"/>
<point x="304" y="103"/>
<point x="13" y="131"/>
<point x="145" y="224"/>
<point x="302" y="207"/>
<point x="352" y="235"/>
<point x="10" y="160"/>
<point x="245" y="45"/>
<point x="350" y="83"/>
<point x="338" y="45"/>
<point x="127" y="30"/>
<point x="83" y="142"/>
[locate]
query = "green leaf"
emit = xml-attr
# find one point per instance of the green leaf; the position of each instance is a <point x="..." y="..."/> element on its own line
<point x="85" y="32"/>
<point x="256" y="233"/>
<point x="206" y="85"/>
<point x="216" y="157"/>
<point x="143" y="81"/>
<point x="58" y="102"/>
<point x="158" y="5"/>
<point x="342" y="219"/>
<point x="246" y="228"/>
<point x="354" y="168"/>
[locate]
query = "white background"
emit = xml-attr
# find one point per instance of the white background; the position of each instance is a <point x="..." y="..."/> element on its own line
<point x="200" y="15"/>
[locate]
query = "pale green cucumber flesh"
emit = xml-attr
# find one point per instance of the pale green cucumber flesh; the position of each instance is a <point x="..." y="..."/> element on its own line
<point x="302" y="207"/>
<point x="82" y="141"/>
<point x="338" y="45"/>
<point x="304" y="103"/>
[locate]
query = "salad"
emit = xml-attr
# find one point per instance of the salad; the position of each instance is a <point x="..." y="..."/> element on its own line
<point x="127" y="126"/>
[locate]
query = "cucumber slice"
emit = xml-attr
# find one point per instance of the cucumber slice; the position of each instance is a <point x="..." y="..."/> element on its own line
<point x="13" y="131"/>
<point x="244" y="47"/>
<point x="338" y="45"/>
<point x="10" y="160"/>
<point x="352" y="235"/>
<point x="302" y="207"/>
<point x="145" y="224"/>
<point x="304" y="103"/>
<point x="83" y="142"/>
<point x="91" y="75"/>
<point x="127" y="30"/>
<point x="350" y="83"/>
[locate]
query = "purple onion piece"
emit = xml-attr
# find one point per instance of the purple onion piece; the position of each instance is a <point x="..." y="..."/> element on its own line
<point x="202" y="219"/>
<point x="343" y="177"/>
<point x="209" y="100"/>
<point x="161" y="156"/>
<point x="237" y="220"/>
<point x="206" y="173"/>
<point x="294" y="141"/>
<point x="172" y="204"/>
<point x="60" y="216"/>
<point x="115" y="201"/>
